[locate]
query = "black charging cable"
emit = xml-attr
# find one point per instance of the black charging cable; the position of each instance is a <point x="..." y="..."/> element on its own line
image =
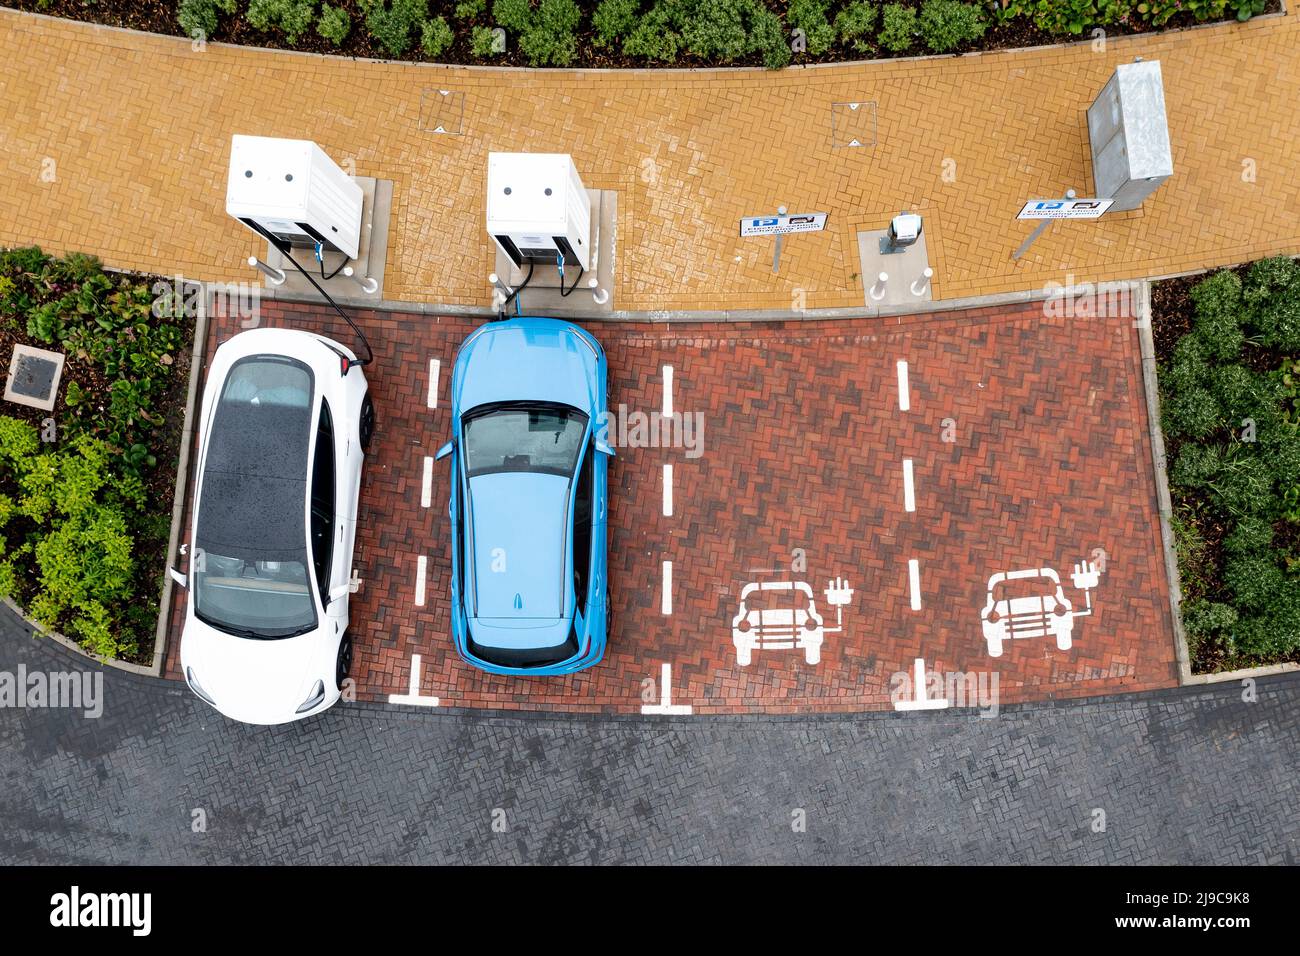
<point x="370" y="355"/>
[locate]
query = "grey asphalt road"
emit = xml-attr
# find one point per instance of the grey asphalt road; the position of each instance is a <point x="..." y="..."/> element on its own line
<point x="1195" y="776"/>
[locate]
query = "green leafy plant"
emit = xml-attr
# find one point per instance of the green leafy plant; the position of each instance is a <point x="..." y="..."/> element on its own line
<point x="483" y="42"/>
<point x="855" y="24"/>
<point x="391" y="22"/>
<point x="810" y="17"/>
<point x="435" y="36"/>
<point x="334" y="24"/>
<point x="546" y="32"/>
<point x="198" y="18"/>
<point x="947" y="24"/>
<point x="290" y="17"/>
<point x="898" y="28"/>
<point x="470" y="9"/>
<point x="614" y="20"/>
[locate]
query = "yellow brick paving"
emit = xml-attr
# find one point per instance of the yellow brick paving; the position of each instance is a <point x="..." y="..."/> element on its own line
<point x="116" y="143"/>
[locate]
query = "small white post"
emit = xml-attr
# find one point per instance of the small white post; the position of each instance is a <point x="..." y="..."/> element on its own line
<point x="598" y="295"/>
<point x="878" y="290"/>
<point x="776" y="253"/>
<point x="273" y="276"/>
<point x="922" y="285"/>
<point x="368" y="285"/>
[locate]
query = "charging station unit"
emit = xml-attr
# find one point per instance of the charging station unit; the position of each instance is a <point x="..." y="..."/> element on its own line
<point x="289" y="191"/>
<point x="1129" y="135"/>
<point x="538" y="211"/>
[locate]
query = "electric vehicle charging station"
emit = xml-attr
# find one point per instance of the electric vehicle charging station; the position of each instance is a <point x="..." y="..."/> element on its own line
<point x="1128" y="133"/>
<point x="895" y="263"/>
<point x="291" y="193"/>
<point x="554" y="238"/>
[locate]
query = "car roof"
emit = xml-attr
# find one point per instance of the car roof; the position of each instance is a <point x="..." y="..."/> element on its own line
<point x="252" y="501"/>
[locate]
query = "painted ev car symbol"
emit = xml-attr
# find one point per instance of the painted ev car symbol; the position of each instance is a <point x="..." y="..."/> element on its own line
<point x="1031" y="603"/>
<point x="782" y="615"/>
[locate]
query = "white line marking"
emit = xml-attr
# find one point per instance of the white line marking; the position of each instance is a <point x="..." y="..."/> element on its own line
<point x="413" y="695"/>
<point x="666" y="705"/>
<point x="668" y="491"/>
<point x="909" y="491"/>
<point x="435" y="368"/>
<point x="922" y="701"/>
<point x="426" y="484"/>
<point x="667" y="599"/>
<point x="421" y="572"/>
<point x="904" y="391"/>
<point x="914" y="578"/>
<point x="668" y="391"/>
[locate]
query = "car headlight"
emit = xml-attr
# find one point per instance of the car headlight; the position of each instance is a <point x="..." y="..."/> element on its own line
<point x="197" y="687"/>
<point x="317" y="695"/>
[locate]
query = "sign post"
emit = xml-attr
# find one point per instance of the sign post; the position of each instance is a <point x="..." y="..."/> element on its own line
<point x="1046" y="210"/>
<point x="779" y="226"/>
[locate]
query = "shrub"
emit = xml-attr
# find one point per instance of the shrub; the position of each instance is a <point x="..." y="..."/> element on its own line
<point x="391" y="23"/>
<point x="470" y="9"/>
<point x="898" y="28"/>
<point x="516" y="15"/>
<point x="767" y="37"/>
<point x="810" y="17"/>
<point x="1255" y="579"/>
<point x="435" y="36"/>
<point x="1191" y="413"/>
<point x="290" y="17"/>
<point x="1196" y="466"/>
<point x="1188" y="367"/>
<point x="614" y="20"/>
<point x="1243" y="486"/>
<point x="653" y="38"/>
<point x="947" y="24"/>
<point x="1252" y="535"/>
<point x="855" y="24"/>
<point x="198" y="18"/>
<point x="334" y="24"/>
<point x="1204" y="619"/>
<point x="1239" y="391"/>
<point x="482" y="41"/>
<point x="1267" y="277"/>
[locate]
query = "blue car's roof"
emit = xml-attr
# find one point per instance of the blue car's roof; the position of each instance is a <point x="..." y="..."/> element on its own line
<point x="524" y="515"/>
<point x="528" y="359"/>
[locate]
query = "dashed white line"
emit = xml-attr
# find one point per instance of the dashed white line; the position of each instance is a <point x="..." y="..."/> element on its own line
<point x="426" y="483"/>
<point x="668" y="391"/>
<point x="435" y="368"/>
<point x="914" y="579"/>
<point x="666" y="602"/>
<point x="668" y="491"/>
<point x="904" y="390"/>
<point x="421" y="572"/>
<point x="909" y="490"/>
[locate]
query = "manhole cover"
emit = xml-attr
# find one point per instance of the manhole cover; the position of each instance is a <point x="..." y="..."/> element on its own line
<point x="441" y="111"/>
<point x="853" y="125"/>
<point x="34" y="377"/>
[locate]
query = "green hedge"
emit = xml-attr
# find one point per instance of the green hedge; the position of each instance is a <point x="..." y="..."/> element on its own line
<point x="75" y="508"/>
<point x="1230" y="411"/>
<point x="552" y="32"/>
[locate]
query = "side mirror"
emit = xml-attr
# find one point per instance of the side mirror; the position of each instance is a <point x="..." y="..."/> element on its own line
<point x="179" y="578"/>
<point x="444" y="451"/>
<point x="604" y="448"/>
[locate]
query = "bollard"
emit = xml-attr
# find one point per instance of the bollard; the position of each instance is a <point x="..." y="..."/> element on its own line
<point x="368" y="285"/>
<point x="598" y="295"/>
<point x="500" y="286"/>
<point x="878" y="290"/>
<point x="273" y="276"/>
<point x="922" y="285"/>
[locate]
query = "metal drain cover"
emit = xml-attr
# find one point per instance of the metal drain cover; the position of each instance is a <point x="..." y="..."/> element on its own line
<point x="34" y="376"/>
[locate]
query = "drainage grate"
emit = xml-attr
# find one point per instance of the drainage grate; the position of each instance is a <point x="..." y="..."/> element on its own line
<point x="853" y="125"/>
<point x="442" y="111"/>
<point x="34" y="377"/>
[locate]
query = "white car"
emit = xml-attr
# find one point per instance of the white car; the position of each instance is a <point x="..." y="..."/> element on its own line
<point x="285" y="421"/>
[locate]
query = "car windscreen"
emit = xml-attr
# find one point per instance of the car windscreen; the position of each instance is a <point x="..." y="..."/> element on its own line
<point x="519" y="437"/>
<point x="250" y="561"/>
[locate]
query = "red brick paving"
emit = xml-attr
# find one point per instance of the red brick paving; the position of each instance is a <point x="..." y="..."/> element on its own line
<point x="803" y="445"/>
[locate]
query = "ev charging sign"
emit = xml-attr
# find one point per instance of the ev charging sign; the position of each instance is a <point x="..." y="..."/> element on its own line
<point x="782" y="225"/>
<point x="1065" y="208"/>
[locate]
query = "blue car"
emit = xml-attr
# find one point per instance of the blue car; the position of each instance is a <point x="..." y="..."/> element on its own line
<point x="529" y="456"/>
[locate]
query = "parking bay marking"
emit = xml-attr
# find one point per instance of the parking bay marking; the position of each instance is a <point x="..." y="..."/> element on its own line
<point x="435" y="368"/>
<point x="426" y="484"/>
<point x="668" y="491"/>
<point x="909" y="490"/>
<point x="668" y="391"/>
<point x="413" y="695"/>
<point x="914" y="580"/>
<point x="904" y="389"/>
<point x="666" y="705"/>
<point x="421" y="572"/>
